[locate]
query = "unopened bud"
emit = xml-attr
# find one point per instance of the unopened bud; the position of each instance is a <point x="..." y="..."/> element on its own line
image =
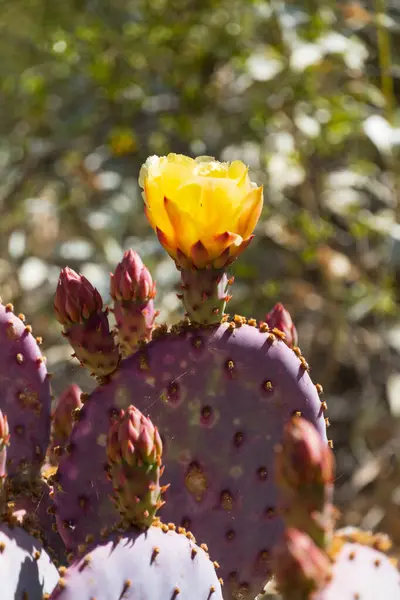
<point x="134" y="439"/>
<point x="305" y="458"/>
<point x="300" y="567"/>
<point x="132" y="280"/>
<point x="280" y="318"/>
<point x="75" y="299"/>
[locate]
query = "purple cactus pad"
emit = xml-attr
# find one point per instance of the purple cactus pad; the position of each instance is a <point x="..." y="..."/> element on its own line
<point x="362" y="573"/>
<point x="26" y="571"/>
<point x="220" y="396"/>
<point x="24" y="396"/>
<point x="35" y="501"/>
<point x="157" y="564"/>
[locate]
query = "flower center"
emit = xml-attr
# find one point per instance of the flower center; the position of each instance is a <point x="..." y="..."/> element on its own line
<point x="210" y="169"/>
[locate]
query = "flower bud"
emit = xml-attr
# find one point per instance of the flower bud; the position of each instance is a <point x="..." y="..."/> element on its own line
<point x="75" y="299"/>
<point x="132" y="280"/>
<point x="300" y="567"/>
<point x="280" y="318"/>
<point x="305" y="459"/>
<point x="134" y="451"/>
<point x="135" y="439"/>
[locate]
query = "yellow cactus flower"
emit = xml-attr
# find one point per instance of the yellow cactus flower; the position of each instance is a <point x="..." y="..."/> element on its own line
<point x="203" y="211"/>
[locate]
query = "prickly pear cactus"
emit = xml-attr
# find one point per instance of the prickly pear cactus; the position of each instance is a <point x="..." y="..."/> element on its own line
<point x="24" y="395"/>
<point x="219" y="389"/>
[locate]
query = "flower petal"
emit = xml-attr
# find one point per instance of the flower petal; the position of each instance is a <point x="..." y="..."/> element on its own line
<point x="222" y="260"/>
<point x="200" y="255"/>
<point x="166" y="242"/>
<point x="251" y="211"/>
<point x="221" y="242"/>
<point x="236" y="250"/>
<point x="184" y="226"/>
<point x="155" y="210"/>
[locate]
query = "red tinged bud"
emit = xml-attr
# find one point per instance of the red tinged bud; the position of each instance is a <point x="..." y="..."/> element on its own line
<point x="305" y="458"/>
<point x="79" y="308"/>
<point x="134" y="439"/>
<point x="134" y="451"/>
<point x="300" y="567"/>
<point x="304" y="475"/>
<point x="76" y="299"/>
<point x="132" y="280"/>
<point x="280" y="318"/>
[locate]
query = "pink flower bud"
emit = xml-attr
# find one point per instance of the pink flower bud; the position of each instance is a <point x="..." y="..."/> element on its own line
<point x="134" y="452"/>
<point x="300" y="567"/>
<point x="132" y="280"/>
<point x="75" y="299"/>
<point x="280" y="318"/>
<point x="305" y="458"/>
<point x="134" y="439"/>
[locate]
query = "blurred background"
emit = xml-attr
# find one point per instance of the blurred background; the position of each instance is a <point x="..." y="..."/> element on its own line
<point x="306" y="93"/>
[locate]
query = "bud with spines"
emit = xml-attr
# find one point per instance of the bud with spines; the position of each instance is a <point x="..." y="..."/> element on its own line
<point x="76" y="299"/>
<point x="305" y="473"/>
<point x="132" y="290"/>
<point x="300" y="567"/>
<point x="79" y="308"/>
<point x="280" y="318"/>
<point x="134" y="449"/>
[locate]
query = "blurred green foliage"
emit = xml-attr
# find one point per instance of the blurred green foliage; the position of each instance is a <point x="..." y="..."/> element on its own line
<point x="303" y="91"/>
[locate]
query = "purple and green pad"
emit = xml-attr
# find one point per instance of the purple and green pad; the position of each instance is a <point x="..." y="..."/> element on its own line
<point x="220" y="396"/>
<point x="156" y="564"/>
<point x="26" y="571"/>
<point x="24" y="396"/>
